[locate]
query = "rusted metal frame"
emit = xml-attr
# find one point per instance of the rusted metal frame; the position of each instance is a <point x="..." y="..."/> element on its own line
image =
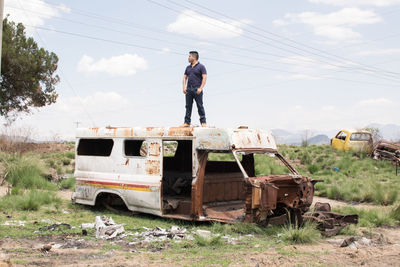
<point x="287" y="164"/>
<point x="240" y="164"/>
<point x="198" y="185"/>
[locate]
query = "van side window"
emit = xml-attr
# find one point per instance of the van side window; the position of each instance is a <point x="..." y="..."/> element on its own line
<point x="360" y="137"/>
<point x="135" y="148"/>
<point x="95" y="147"/>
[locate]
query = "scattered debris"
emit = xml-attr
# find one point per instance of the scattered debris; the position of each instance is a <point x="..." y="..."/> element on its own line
<point x="46" y="248"/>
<point x="386" y="150"/>
<point x="85" y="226"/>
<point x="330" y="223"/>
<point x="56" y="227"/>
<point x="106" y="228"/>
<point x="15" y="223"/>
<point x="160" y="234"/>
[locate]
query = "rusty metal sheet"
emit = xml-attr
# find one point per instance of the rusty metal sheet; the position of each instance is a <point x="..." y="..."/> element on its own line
<point x="330" y="223"/>
<point x="152" y="167"/>
<point x="154" y="149"/>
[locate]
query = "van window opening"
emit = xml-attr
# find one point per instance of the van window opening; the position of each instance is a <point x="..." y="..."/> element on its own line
<point x="135" y="148"/>
<point x="95" y="147"/>
<point x="169" y="148"/>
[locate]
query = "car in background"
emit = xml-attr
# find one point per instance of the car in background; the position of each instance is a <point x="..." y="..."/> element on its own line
<point x="346" y="140"/>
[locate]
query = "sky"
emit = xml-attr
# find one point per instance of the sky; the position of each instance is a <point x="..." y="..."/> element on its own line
<point x="288" y="64"/>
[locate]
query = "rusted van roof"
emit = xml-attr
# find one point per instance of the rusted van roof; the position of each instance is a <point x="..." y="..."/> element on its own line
<point x="206" y="138"/>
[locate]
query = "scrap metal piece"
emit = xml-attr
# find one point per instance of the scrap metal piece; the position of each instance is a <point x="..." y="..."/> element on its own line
<point x="330" y="223"/>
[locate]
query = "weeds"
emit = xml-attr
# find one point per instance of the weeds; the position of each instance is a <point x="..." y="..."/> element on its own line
<point x="213" y="241"/>
<point x="31" y="200"/>
<point x="371" y="217"/>
<point x="305" y="234"/>
<point x="27" y="172"/>
<point x="68" y="183"/>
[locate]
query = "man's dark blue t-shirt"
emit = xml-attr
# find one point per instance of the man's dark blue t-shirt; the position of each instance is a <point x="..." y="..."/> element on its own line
<point x="195" y="74"/>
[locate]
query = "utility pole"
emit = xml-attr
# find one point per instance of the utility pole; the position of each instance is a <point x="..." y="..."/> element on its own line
<point x="1" y="30"/>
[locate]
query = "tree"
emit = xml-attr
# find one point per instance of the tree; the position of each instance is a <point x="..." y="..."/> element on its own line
<point x="28" y="73"/>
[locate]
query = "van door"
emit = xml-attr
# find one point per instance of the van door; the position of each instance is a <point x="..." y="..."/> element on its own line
<point x="142" y="167"/>
<point x="339" y="141"/>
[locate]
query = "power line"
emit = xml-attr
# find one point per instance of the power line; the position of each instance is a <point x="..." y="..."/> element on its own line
<point x="248" y="37"/>
<point x="96" y="16"/>
<point x="283" y="37"/>
<point x="178" y="53"/>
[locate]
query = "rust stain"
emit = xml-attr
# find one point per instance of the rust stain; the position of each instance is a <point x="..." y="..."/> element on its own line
<point x="154" y="149"/>
<point x="180" y="131"/>
<point x="152" y="167"/>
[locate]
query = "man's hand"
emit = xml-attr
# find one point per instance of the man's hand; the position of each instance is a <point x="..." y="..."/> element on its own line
<point x="199" y="91"/>
<point x="184" y="90"/>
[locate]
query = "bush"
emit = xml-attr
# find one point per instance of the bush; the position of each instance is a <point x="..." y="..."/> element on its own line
<point x="68" y="183"/>
<point x="313" y="168"/>
<point x="66" y="161"/>
<point x="370" y="217"/>
<point x="70" y="155"/>
<point x="27" y="172"/>
<point x="213" y="241"/>
<point x="308" y="233"/>
<point x="31" y="200"/>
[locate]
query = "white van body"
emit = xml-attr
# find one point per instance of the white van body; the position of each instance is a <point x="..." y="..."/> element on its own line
<point x="130" y="163"/>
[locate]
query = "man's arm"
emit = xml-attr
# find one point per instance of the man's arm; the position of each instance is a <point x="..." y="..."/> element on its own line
<point x="184" y="83"/>
<point x="203" y="83"/>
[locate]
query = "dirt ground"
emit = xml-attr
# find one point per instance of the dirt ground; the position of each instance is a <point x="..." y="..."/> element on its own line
<point x="72" y="250"/>
<point x="78" y="252"/>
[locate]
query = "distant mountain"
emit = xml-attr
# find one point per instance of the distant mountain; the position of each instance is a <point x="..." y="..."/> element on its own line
<point x="320" y="139"/>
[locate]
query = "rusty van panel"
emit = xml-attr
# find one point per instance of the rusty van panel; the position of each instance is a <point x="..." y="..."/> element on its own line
<point x="152" y="167"/>
<point x="180" y="131"/>
<point x="154" y="149"/>
<point x="249" y="138"/>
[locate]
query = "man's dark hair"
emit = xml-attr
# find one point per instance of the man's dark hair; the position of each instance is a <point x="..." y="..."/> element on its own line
<point x="195" y="54"/>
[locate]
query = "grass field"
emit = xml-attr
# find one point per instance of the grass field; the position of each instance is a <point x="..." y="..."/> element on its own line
<point x="347" y="176"/>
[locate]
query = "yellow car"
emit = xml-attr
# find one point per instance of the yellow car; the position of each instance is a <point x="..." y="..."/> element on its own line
<point x="346" y="140"/>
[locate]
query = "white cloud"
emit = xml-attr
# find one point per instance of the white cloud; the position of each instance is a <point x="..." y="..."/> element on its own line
<point x="379" y="3"/>
<point x="308" y="68"/>
<point x="336" y="25"/>
<point x="374" y="102"/>
<point x="19" y="11"/>
<point x="392" y="51"/>
<point x="123" y="65"/>
<point x="191" y="23"/>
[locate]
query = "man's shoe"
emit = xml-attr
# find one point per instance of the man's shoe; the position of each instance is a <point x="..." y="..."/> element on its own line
<point x="203" y="125"/>
<point x="185" y="125"/>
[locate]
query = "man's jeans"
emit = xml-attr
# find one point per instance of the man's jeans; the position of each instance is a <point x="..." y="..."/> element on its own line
<point x="191" y="93"/>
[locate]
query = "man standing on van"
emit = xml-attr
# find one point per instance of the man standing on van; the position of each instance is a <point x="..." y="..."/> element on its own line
<point x="194" y="81"/>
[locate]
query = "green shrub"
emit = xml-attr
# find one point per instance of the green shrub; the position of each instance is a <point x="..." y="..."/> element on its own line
<point x="66" y="161"/>
<point x="395" y="213"/>
<point x="213" y="241"/>
<point x="68" y="183"/>
<point x="369" y="217"/>
<point x="27" y="172"/>
<point x="70" y="155"/>
<point x="313" y="168"/>
<point x="30" y="200"/>
<point x="308" y="233"/>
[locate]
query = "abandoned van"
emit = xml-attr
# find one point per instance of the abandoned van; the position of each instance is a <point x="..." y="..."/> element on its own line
<point x="192" y="173"/>
<point x="360" y="141"/>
